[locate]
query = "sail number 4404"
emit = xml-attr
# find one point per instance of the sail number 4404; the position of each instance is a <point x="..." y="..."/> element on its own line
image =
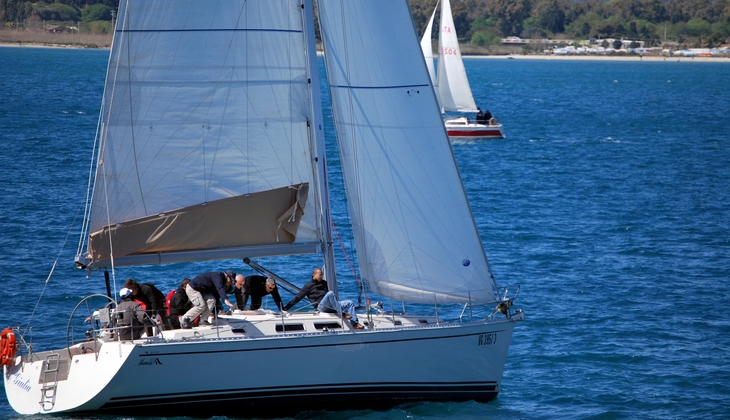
<point x="487" y="339"/>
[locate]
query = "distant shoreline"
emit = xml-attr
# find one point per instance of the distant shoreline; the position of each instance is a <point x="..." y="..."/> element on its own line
<point x="40" y="39"/>
<point x="48" y="45"/>
<point x="572" y="57"/>
<point x="583" y="57"/>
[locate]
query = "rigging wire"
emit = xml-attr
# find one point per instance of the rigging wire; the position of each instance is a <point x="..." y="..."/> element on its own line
<point x="352" y="268"/>
<point x="85" y="224"/>
<point x="53" y="269"/>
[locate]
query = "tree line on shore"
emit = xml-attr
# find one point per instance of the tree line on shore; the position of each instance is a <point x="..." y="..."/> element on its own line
<point x="96" y="15"/>
<point x="701" y="23"/>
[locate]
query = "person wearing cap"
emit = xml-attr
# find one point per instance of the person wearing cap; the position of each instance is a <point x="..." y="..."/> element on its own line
<point x="257" y="287"/>
<point x="130" y="319"/>
<point x="204" y="290"/>
<point x="324" y="300"/>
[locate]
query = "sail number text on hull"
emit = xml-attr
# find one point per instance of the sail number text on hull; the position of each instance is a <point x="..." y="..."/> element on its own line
<point x="487" y="339"/>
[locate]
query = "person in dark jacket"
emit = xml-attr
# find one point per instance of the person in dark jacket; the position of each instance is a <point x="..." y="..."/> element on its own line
<point x="314" y="290"/>
<point x="257" y="287"/>
<point x="204" y="290"/>
<point x="324" y="300"/>
<point x="480" y="116"/>
<point x="487" y="117"/>
<point x="130" y="317"/>
<point x="153" y="299"/>
<point x="179" y="304"/>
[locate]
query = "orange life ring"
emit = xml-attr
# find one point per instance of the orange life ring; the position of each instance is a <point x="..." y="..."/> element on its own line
<point x="7" y="347"/>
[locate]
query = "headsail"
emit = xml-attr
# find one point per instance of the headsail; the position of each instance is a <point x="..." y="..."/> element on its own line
<point x="453" y="85"/>
<point x="415" y="235"/>
<point x="427" y="48"/>
<point x="207" y="116"/>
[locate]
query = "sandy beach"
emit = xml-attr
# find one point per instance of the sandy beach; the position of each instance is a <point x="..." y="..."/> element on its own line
<point x="47" y="45"/>
<point x="38" y="39"/>
<point x="572" y="57"/>
<point x="584" y="57"/>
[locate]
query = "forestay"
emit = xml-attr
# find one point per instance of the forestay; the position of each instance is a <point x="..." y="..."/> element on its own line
<point x="453" y="86"/>
<point x="415" y="235"/>
<point x="205" y="122"/>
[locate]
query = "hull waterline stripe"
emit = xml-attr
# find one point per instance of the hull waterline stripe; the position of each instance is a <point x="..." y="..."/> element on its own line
<point x="292" y="391"/>
<point x="473" y="133"/>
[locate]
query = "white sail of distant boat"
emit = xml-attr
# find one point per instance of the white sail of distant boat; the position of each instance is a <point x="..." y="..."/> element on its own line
<point x="452" y="85"/>
<point x="427" y="49"/>
<point x="211" y="147"/>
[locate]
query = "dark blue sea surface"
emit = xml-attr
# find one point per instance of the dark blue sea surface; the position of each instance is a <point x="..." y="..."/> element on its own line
<point x="608" y="203"/>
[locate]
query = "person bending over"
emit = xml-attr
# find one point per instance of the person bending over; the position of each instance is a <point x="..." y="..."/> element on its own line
<point x="256" y="287"/>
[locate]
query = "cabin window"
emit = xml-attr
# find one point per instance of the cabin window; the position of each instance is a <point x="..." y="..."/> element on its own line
<point x="289" y="327"/>
<point x="238" y="330"/>
<point x="328" y="325"/>
<point x="423" y="321"/>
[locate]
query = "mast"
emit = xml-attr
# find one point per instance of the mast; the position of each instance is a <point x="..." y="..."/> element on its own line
<point x="320" y="159"/>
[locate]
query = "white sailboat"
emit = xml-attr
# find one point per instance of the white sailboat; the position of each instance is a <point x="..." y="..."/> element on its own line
<point x="211" y="147"/>
<point x="452" y="85"/>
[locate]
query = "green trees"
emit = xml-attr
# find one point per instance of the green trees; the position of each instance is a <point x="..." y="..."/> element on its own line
<point x="95" y="16"/>
<point x="96" y="12"/>
<point x="509" y="15"/>
<point x="57" y="12"/>
<point x="583" y="26"/>
<point x="635" y="19"/>
<point x="550" y="15"/>
<point x="482" y="22"/>
<point x="484" y="32"/>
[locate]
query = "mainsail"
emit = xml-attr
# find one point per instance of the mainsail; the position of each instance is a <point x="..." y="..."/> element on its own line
<point x="207" y="116"/>
<point x="453" y="86"/>
<point x="415" y="235"/>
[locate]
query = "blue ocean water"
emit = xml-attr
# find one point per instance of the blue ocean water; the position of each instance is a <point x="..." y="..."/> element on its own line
<point x="608" y="203"/>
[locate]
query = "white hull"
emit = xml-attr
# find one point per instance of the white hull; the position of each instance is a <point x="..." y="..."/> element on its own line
<point x="265" y="373"/>
<point x="464" y="129"/>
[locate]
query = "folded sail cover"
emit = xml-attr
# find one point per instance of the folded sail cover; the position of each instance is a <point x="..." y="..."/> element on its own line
<point x="235" y="222"/>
